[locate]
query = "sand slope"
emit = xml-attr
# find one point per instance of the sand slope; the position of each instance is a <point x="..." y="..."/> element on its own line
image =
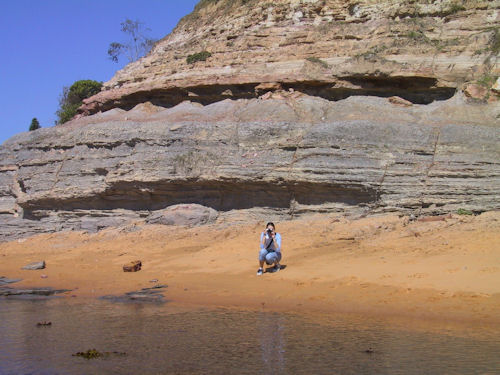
<point x="446" y="269"/>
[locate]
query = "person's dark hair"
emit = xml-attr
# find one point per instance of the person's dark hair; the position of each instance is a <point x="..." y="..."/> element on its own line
<point x="271" y="223"/>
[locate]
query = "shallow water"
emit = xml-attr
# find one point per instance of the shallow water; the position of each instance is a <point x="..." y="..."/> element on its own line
<point x="171" y="339"/>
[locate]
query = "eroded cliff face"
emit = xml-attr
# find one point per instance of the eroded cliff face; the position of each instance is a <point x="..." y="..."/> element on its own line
<point x="419" y="50"/>
<point x="293" y="113"/>
<point x="253" y="159"/>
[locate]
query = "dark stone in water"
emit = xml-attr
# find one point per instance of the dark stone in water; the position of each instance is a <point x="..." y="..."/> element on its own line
<point x="89" y="354"/>
<point x="34" y="292"/>
<point x="152" y="294"/>
<point x="35" y="266"/>
<point x="4" y="280"/>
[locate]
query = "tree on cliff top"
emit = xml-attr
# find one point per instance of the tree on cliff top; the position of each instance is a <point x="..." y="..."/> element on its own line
<point x="138" y="45"/>
<point x="72" y="98"/>
<point x="34" y="124"/>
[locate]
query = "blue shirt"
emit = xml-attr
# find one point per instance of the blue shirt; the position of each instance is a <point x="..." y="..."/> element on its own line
<point x="277" y="238"/>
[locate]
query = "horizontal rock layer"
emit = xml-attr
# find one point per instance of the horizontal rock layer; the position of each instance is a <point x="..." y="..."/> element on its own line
<point x="278" y="158"/>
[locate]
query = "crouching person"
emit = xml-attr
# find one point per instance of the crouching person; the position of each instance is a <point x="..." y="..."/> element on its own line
<point x="270" y="249"/>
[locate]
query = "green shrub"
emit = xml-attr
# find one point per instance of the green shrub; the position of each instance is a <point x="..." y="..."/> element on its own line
<point x="34" y="124"/>
<point x="200" y="56"/>
<point x="455" y="8"/>
<point x="418" y="35"/>
<point x="73" y="96"/>
<point x="463" y="211"/>
<point x="67" y="112"/>
<point x="487" y="80"/>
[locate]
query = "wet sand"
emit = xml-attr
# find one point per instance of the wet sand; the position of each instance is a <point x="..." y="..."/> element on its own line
<point x="447" y="270"/>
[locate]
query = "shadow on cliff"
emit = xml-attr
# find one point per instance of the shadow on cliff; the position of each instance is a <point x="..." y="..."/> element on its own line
<point x="418" y="90"/>
<point x="220" y="195"/>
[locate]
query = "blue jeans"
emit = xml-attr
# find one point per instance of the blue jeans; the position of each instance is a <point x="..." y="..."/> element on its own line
<point x="269" y="257"/>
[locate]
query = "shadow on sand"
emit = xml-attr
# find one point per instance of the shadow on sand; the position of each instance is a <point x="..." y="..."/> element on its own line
<point x="273" y="270"/>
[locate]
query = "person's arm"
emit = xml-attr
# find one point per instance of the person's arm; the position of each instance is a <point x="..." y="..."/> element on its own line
<point x="277" y="241"/>
<point x="262" y="241"/>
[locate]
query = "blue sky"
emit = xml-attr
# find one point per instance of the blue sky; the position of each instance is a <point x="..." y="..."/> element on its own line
<point x="48" y="44"/>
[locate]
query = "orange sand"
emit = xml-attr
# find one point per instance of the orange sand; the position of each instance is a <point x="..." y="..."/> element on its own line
<point x="443" y="270"/>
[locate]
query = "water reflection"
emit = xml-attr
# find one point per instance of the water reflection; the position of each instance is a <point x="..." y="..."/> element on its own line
<point x="272" y="342"/>
<point x="175" y="340"/>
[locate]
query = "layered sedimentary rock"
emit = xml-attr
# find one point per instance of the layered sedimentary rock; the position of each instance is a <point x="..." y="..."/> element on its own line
<point x="419" y="50"/>
<point x="279" y="157"/>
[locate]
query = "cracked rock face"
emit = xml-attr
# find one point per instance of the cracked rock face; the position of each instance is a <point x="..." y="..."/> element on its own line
<point x="421" y="51"/>
<point x="281" y="157"/>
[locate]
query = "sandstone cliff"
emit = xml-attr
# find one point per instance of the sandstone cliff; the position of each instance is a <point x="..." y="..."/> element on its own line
<point x="289" y="115"/>
<point x="419" y="50"/>
<point x="279" y="157"/>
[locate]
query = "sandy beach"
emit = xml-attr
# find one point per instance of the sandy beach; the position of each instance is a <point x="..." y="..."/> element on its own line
<point x="446" y="270"/>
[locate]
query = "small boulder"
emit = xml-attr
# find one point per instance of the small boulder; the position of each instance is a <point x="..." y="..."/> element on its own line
<point x="496" y="87"/>
<point x="266" y="96"/>
<point x="475" y="91"/>
<point x="400" y="101"/>
<point x="132" y="266"/>
<point x="268" y="87"/>
<point x="35" y="266"/>
<point x="184" y="214"/>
